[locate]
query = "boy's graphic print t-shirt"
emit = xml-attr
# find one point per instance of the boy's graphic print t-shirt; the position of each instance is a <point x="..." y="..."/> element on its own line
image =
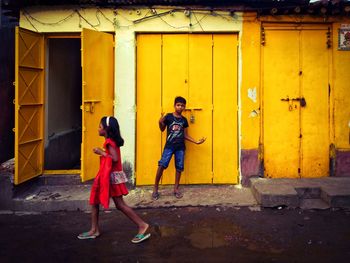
<point x="175" y="131"/>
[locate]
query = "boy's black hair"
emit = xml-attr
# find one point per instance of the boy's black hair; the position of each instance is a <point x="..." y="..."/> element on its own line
<point x="113" y="130"/>
<point x="180" y="99"/>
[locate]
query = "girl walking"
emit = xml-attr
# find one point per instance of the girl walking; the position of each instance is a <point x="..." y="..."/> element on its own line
<point x="110" y="182"/>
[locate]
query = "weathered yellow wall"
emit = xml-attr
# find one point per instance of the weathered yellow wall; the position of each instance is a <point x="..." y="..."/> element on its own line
<point x="251" y="119"/>
<point x="250" y="91"/>
<point x="341" y="85"/>
<point x="340" y="79"/>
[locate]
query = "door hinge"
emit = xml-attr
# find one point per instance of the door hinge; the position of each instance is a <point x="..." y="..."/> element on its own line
<point x="329" y="42"/>
<point x="263" y="41"/>
<point x="298" y="170"/>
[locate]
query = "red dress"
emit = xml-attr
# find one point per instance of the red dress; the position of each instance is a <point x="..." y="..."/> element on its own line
<point x="102" y="189"/>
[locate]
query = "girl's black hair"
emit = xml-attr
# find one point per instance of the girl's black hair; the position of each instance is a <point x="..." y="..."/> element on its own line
<point x="113" y="130"/>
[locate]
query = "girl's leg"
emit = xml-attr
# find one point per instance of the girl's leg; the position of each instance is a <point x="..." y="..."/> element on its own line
<point x="130" y="213"/>
<point x="95" y="209"/>
<point x="94" y="230"/>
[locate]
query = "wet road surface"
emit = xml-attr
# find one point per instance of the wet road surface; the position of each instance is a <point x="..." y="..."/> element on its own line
<point x="192" y="234"/>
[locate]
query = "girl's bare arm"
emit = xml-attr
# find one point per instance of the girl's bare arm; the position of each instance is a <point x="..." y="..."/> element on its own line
<point x="111" y="150"/>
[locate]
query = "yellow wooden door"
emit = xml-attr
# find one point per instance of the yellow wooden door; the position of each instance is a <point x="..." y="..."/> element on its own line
<point x="198" y="161"/>
<point x="295" y="136"/>
<point x="315" y="57"/>
<point x="281" y="118"/>
<point x="148" y="98"/>
<point x="225" y="112"/>
<point x="183" y="65"/>
<point x="97" y="94"/>
<point x="29" y="105"/>
<point x="174" y="83"/>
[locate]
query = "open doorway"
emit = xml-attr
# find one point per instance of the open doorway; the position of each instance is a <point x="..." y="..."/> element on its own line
<point x="63" y="97"/>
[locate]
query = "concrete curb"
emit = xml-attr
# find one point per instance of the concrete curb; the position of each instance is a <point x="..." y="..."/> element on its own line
<point x="305" y="193"/>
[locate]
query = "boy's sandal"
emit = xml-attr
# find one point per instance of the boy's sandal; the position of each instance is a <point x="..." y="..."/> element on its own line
<point x="140" y="237"/>
<point x="178" y="195"/>
<point x="155" y="195"/>
<point x="87" y="235"/>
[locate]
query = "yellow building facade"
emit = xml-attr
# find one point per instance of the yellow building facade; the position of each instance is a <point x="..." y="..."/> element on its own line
<point x="298" y="124"/>
<point x="270" y="94"/>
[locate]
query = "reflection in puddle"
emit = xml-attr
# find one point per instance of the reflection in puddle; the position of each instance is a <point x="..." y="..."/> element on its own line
<point x="206" y="238"/>
<point x="223" y="234"/>
<point x="213" y="234"/>
<point x="166" y="231"/>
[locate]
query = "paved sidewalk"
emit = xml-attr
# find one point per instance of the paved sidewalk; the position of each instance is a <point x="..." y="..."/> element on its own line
<point x="57" y="193"/>
<point x="70" y="198"/>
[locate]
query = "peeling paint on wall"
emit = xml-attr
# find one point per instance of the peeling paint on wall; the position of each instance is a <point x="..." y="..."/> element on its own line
<point x="128" y="170"/>
<point x="252" y="94"/>
<point x="254" y="113"/>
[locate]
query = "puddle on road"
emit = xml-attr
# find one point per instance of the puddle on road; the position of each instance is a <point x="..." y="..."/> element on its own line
<point x="205" y="238"/>
<point x="166" y="231"/>
<point x="206" y="235"/>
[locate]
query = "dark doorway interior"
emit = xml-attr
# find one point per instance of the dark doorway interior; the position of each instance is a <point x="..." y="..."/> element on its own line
<point x="63" y="99"/>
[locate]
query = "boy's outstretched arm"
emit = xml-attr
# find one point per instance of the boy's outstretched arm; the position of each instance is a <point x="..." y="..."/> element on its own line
<point x="189" y="138"/>
<point x="161" y="122"/>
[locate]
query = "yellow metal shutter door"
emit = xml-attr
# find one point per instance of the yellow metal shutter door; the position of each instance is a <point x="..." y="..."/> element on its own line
<point x="97" y="94"/>
<point x="29" y="105"/>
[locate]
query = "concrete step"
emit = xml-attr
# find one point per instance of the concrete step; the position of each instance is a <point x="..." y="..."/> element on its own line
<point x="320" y="193"/>
<point x="53" y="198"/>
<point x="61" y="179"/>
<point x="336" y="196"/>
<point x="267" y="196"/>
<point x="314" y="203"/>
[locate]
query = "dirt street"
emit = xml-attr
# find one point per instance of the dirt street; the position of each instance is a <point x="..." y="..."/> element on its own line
<point x="192" y="234"/>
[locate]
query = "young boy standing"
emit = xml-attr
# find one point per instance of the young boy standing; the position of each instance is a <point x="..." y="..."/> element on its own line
<point x="176" y="125"/>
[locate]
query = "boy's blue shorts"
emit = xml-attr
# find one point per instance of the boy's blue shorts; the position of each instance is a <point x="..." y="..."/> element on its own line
<point x="179" y="158"/>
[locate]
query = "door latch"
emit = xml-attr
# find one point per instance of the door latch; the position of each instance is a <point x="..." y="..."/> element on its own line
<point x="302" y="100"/>
<point x="89" y="105"/>
<point x="192" y="111"/>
